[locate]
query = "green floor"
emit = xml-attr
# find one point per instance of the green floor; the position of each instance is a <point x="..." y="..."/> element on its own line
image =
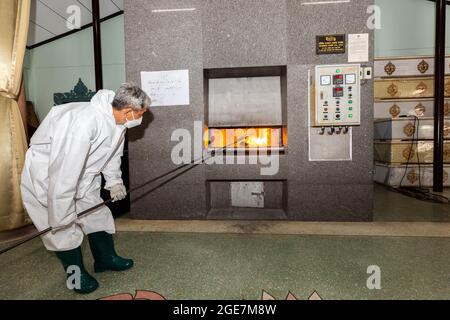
<point x="217" y="266"/>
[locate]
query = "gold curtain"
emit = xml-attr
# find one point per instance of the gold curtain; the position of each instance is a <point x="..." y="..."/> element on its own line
<point x="14" y="19"/>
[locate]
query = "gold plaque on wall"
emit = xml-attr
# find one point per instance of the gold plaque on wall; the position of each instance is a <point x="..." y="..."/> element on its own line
<point x="330" y="44"/>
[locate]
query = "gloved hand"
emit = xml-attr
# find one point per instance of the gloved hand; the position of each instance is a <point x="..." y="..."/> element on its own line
<point x="118" y="192"/>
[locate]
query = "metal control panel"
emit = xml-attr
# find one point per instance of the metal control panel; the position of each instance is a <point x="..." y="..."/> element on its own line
<point x="337" y="95"/>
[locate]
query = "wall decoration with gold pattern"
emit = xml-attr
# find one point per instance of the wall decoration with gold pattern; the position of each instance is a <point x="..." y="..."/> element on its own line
<point x="406" y="128"/>
<point x="423" y="108"/>
<point x="407" y="67"/>
<point x="402" y="152"/>
<point x="404" y="113"/>
<point x="407" y="88"/>
<point x="394" y="174"/>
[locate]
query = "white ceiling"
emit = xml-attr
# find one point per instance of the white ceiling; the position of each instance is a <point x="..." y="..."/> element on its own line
<point x="48" y="17"/>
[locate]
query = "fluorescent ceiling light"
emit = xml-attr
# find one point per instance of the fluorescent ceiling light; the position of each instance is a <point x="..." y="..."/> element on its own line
<point x="173" y="10"/>
<point x="325" y="2"/>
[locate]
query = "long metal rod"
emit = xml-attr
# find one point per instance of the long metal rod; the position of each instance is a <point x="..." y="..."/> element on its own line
<point x="439" y="94"/>
<point x="96" y="22"/>
<point x="193" y="163"/>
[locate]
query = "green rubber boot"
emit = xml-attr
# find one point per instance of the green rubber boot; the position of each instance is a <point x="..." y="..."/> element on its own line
<point x="106" y="258"/>
<point x="74" y="257"/>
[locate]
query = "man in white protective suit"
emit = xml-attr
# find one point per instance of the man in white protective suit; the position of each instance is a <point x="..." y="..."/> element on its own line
<point x="62" y="177"/>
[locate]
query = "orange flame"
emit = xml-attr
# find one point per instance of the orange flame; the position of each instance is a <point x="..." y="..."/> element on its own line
<point x="253" y="137"/>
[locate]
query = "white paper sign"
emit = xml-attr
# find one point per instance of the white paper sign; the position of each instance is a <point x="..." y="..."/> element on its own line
<point x="358" y="47"/>
<point x="167" y="88"/>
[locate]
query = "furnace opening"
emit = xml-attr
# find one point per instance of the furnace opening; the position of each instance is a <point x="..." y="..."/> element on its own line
<point x="246" y="106"/>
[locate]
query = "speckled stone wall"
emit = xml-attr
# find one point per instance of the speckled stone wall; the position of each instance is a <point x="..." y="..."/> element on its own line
<point x="243" y="33"/>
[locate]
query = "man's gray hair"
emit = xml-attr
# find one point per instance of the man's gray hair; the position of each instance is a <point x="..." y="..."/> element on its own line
<point x="130" y="95"/>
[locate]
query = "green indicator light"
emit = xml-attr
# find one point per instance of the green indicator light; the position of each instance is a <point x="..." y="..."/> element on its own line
<point x="338" y="70"/>
<point x="350" y="116"/>
<point x="350" y="102"/>
<point x="350" y="108"/>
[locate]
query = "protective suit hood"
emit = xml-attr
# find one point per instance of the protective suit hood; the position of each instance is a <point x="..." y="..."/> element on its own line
<point x="103" y="100"/>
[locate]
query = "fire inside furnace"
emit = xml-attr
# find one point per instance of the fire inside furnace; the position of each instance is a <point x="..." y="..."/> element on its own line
<point x="245" y="138"/>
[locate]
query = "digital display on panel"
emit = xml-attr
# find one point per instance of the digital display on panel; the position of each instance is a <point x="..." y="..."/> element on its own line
<point x="338" y="79"/>
<point x="338" y="92"/>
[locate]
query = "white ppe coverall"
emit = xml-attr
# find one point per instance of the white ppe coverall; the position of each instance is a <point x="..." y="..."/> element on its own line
<point x="61" y="176"/>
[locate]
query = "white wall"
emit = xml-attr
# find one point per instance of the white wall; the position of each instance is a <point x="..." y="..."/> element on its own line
<point x="57" y="66"/>
<point x="407" y="28"/>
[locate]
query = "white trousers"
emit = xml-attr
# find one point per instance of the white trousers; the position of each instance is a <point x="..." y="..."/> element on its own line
<point x="70" y="237"/>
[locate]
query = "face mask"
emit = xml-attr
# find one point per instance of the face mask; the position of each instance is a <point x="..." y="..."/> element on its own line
<point x="133" y="123"/>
